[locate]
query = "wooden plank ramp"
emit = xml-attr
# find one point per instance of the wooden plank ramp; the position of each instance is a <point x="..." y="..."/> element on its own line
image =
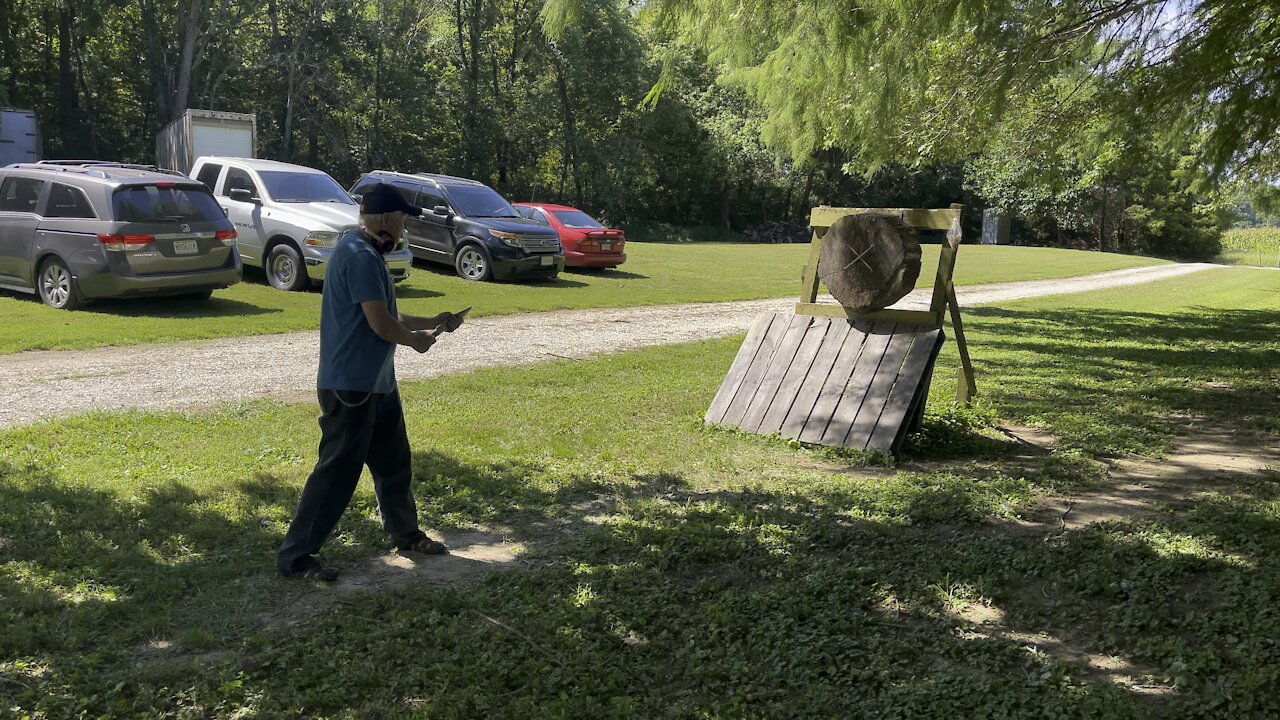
<point x="828" y="381"/>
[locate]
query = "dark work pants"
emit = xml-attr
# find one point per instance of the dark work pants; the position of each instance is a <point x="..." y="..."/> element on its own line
<point x="356" y="429"/>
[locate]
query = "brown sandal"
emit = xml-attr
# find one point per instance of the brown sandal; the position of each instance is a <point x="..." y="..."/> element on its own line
<point x="313" y="570"/>
<point x="426" y="546"/>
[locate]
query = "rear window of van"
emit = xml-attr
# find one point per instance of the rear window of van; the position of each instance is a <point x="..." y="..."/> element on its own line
<point x="165" y="204"/>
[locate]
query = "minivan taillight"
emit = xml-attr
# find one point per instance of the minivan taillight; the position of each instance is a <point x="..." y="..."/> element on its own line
<point x="228" y="237"/>
<point x="121" y="243"/>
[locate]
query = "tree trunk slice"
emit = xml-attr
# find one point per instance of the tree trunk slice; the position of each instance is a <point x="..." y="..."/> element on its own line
<point x="869" y="262"/>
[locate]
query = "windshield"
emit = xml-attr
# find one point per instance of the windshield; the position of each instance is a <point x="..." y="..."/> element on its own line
<point x="167" y="204"/>
<point x="532" y="214"/>
<point x="576" y="219"/>
<point x="304" y="187"/>
<point x="479" y="201"/>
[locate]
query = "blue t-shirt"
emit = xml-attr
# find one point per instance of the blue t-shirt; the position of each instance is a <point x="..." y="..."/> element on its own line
<point x="352" y="356"/>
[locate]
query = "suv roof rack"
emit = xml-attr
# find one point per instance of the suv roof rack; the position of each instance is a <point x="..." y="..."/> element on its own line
<point x="128" y="166"/>
<point x="448" y="178"/>
<point x="437" y="178"/>
<point x="67" y="162"/>
<point x="58" y="167"/>
<point x="95" y="167"/>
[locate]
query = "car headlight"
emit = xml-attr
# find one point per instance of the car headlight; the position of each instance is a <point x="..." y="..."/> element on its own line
<point x="507" y="238"/>
<point x="321" y="238"/>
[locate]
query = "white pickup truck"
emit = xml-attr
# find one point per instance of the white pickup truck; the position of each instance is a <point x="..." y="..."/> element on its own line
<point x="288" y="217"/>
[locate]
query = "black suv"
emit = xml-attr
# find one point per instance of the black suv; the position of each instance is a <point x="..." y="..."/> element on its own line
<point x="471" y="227"/>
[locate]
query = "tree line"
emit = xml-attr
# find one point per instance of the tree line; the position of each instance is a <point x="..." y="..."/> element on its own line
<point x="701" y="111"/>
<point x="467" y="87"/>
<point x="1116" y="124"/>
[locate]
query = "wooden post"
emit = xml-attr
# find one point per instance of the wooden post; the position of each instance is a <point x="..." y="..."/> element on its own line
<point x="966" y="384"/>
<point x="946" y="265"/>
<point x="944" y="294"/>
<point x="809" y="287"/>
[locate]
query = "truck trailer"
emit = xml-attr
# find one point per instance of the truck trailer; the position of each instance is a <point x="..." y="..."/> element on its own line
<point x="206" y="132"/>
<point x="19" y="136"/>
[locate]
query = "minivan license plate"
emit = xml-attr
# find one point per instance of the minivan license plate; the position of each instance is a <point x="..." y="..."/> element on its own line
<point x="548" y="260"/>
<point x="185" y="247"/>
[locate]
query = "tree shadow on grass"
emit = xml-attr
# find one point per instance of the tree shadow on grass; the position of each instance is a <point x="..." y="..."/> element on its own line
<point x="1113" y="381"/>
<point x="92" y="577"/>
<point x="941" y="438"/>
<point x="827" y="600"/>
<point x="840" y="602"/>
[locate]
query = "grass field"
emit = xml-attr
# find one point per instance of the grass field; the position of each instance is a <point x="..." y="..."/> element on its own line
<point x="655" y="274"/>
<point x="1258" y="246"/>
<point x="667" y="233"/>
<point x="679" y="571"/>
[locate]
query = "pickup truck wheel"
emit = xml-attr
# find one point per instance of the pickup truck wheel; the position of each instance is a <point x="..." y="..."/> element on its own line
<point x="57" y="286"/>
<point x="285" y="270"/>
<point x="472" y="263"/>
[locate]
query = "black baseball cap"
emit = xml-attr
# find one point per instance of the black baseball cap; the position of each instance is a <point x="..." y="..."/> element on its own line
<point x="382" y="198"/>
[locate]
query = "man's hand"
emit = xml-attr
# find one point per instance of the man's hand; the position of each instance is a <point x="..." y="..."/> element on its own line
<point x="448" y="322"/>
<point x="436" y="324"/>
<point x="393" y="329"/>
<point x="422" y="341"/>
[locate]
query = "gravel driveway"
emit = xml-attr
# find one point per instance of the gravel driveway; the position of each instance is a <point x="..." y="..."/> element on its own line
<point x="45" y="384"/>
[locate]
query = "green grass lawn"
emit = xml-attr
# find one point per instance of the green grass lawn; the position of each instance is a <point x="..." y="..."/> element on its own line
<point x="668" y="233"/>
<point x="679" y="571"/>
<point x="1258" y="246"/>
<point x="655" y="274"/>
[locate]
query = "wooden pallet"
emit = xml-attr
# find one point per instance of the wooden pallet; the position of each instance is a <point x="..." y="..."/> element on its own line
<point x="828" y="381"/>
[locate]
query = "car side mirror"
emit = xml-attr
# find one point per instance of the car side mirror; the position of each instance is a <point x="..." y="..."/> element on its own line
<point x="357" y="197"/>
<point x="226" y="213"/>
<point x="445" y="214"/>
<point x="243" y="195"/>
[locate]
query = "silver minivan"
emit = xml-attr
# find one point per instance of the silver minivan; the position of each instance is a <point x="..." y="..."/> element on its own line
<point x="73" y="231"/>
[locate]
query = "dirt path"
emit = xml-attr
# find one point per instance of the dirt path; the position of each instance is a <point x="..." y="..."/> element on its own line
<point x="45" y="384"/>
<point x="1207" y="460"/>
<point x="472" y="555"/>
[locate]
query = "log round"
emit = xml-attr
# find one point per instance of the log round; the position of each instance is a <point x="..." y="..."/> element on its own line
<point x="868" y="261"/>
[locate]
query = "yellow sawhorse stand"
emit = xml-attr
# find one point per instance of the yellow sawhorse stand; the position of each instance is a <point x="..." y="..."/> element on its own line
<point x="831" y="376"/>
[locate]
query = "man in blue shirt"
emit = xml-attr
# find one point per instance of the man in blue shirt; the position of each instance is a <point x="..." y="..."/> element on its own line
<point x="362" y="420"/>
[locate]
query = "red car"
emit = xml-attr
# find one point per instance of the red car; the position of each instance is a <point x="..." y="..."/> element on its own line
<point x="586" y="242"/>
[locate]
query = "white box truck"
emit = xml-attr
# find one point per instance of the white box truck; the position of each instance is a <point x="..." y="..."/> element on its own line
<point x="206" y="132"/>
<point x="19" y="136"/>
